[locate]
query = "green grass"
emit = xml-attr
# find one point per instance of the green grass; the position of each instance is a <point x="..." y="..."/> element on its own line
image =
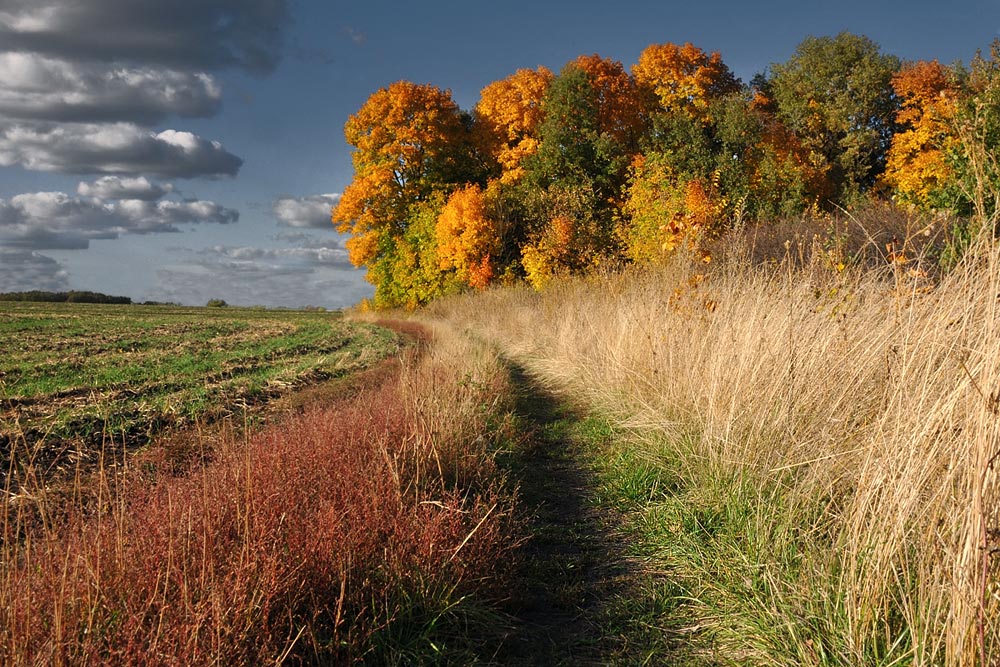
<point x="76" y="372"/>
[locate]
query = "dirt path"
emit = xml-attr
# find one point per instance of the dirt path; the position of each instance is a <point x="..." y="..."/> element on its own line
<point x="574" y="564"/>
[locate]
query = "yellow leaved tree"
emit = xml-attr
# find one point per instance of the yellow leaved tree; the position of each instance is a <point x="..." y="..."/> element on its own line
<point x="507" y="118"/>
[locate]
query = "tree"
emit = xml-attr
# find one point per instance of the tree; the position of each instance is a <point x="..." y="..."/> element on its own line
<point x="406" y="269"/>
<point x="508" y="115"/>
<point x="976" y="155"/>
<point x="580" y="138"/>
<point x="835" y="94"/>
<point x="468" y="240"/>
<point x="665" y="208"/>
<point x="573" y="183"/>
<point x="917" y="167"/>
<point x="683" y="79"/>
<point x="410" y="140"/>
<point x="615" y="100"/>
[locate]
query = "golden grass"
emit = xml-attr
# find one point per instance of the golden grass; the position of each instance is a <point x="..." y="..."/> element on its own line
<point x="870" y="398"/>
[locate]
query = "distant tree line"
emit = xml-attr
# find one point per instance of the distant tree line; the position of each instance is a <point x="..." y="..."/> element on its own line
<point x="597" y="165"/>
<point x="64" y="297"/>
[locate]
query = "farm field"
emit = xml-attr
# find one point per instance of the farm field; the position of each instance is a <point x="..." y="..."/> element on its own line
<point x="367" y="521"/>
<point x="76" y="377"/>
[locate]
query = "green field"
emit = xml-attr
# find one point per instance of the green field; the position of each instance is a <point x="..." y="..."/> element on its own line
<point x="74" y="377"/>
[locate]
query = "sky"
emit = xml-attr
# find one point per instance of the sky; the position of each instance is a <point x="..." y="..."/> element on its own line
<point x="187" y="150"/>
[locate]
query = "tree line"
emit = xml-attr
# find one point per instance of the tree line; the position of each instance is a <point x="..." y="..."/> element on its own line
<point x="40" y="296"/>
<point x="556" y="174"/>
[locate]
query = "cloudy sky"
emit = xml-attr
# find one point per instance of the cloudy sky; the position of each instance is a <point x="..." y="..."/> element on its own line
<point x="184" y="150"/>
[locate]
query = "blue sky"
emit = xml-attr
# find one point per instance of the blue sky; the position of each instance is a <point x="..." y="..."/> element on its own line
<point x="184" y="150"/>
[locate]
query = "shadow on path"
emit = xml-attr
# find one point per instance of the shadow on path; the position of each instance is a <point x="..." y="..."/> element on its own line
<point x="573" y="565"/>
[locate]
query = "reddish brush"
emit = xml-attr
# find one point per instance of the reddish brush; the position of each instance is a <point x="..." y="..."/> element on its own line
<point x="310" y="542"/>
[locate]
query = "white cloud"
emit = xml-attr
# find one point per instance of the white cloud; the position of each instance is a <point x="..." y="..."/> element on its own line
<point x="184" y="34"/>
<point x="34" y="87"/>
<point x="56" y="220"/>
<point x="23" y="271"/>
<point x="118" y="148"/>
<point x="289" y="258"/>
<point x="116" y="187"/>
<point x="313" y="211"/>
<point x="289" y="276"/>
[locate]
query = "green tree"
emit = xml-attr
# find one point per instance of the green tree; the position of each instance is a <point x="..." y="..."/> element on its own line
<point x="573" y="184"/>
<point x="835" y="94"/>
<point x="975" y="157"/>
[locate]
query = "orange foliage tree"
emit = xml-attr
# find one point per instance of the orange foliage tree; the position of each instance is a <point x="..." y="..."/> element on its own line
<point x="616" y="100"/>
<point x="467" y="238"/>
<point x="507" y="118"/>
<point x="784" y="178"/>
<point x="408" y="140"/>
<point x="683" y="78"/>
<point x="917" y="165"/>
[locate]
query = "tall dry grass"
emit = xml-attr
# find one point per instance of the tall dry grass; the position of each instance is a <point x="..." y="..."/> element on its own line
<point x="372" y="529"/>
<point x="856" y="410"/>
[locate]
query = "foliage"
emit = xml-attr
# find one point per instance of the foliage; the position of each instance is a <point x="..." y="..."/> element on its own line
<point x="976" y="155"/>
<point x="467" y="238"/>
<point x="507" y="118"/>
<point x="580" y="143"/>
<point x="573" y="238"/>
<point x="835" y="94"/>
<point x="664" y="209"/>
<point x="216" y="303"/>
<point x="555" y="175"/>
<point x="917" y="167"/>
<point x="407" y="269"/>
<point x="683" y="79"/>
<point x="614" y="99"/>
<point x="409" y="141"/>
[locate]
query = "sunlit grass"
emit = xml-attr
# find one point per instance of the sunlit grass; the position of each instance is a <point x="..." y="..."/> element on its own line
<point x="813" y="444"/>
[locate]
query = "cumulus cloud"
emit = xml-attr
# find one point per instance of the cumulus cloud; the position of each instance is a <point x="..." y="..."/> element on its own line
<point x="35" y="87"/>
<point x="312" y="211"/>
<point x="116" y="187"/>
<point x="56" y="220"/>
<point x="116" y="148"/>
<point x="305" y="240"/>
<point x="294" y="259"/>
<point x="24" y="270"/>
<point x="289" y="276"/>
<point x="183" y="34"/>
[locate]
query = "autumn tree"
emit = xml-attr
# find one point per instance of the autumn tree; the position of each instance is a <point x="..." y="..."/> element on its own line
<point x="835" y="94"/>
<point x="574" y="236"/>
<point x="468" y="239"/>
<point x="683" y="79"/>
<point x="572" y="185"/>
<point x="765" y="170"/>
<point x="406" y="269"/>
<point x="615" y="101"/>
<point x="583" y="130"/>
<point x="665" y="208"/>
<point x="918" y="168"/>
<point x="508" y="116"/>
<point x="410" y="142"/>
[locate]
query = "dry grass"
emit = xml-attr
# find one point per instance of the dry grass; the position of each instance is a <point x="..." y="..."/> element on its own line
<point x="374" y="529"/>
<point x="857" y="411"/>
